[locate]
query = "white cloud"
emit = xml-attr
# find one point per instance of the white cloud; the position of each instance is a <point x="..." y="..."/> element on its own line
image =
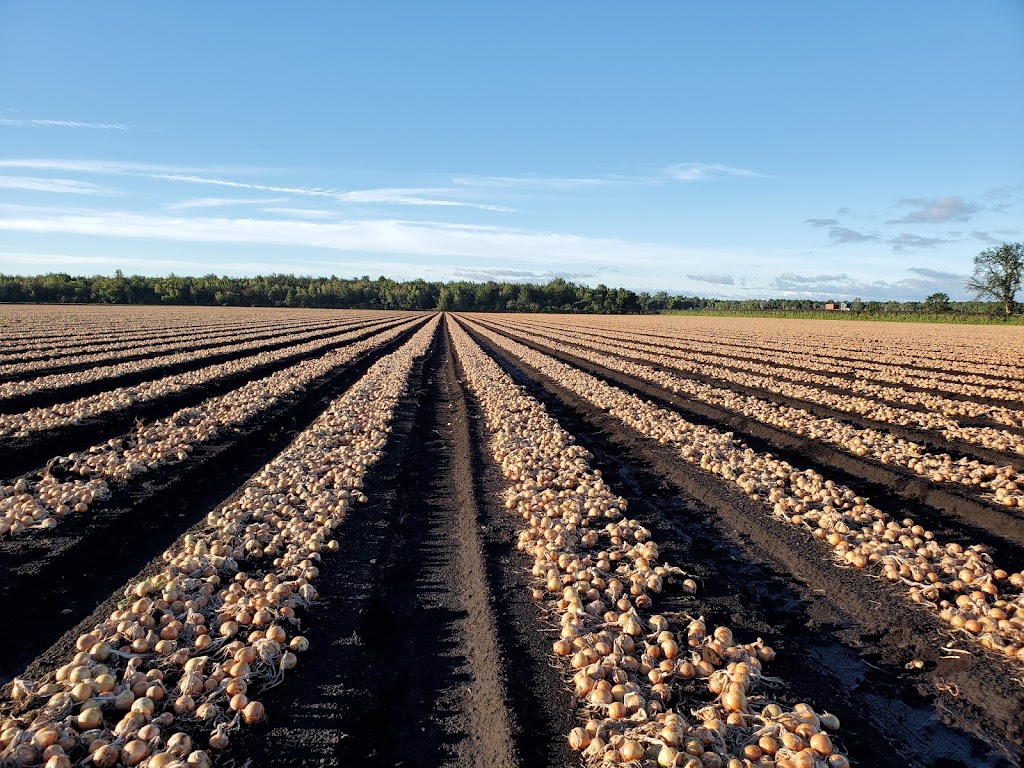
<point x="116" y="167"/>
<point x="706" y="172"/>
<point x="217" y="202"/>
<point x="391" y="196"/>
<point x="393" y="236"/>
<point x="61" y="124"/>
<point x="537" y="182"/>
<point x="66" y="186"/>
<point x="936" y="210"/>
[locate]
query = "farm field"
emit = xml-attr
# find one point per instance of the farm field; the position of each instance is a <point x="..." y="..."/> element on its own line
<point x="256" y="537"/>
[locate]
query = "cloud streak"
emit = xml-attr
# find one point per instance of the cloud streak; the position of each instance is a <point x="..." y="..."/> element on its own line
<point x="392" y="236"/>
<point x="936" y="210"/>
<point x="218" y="202"/>
<point x="714" y="279"/>
<point x="21" y="123"/>
<point x="707" y="172"/>
<point x="63" y="186"/>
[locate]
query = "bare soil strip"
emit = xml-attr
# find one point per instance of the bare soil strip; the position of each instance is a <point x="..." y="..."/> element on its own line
<point x="960" y="517"/>
<point x="187" y="341"/>
<point x="21" y="455"/>
<point x="49" y="397"/>
<point x="50" y="579"/>
<point x="933" y="439"/>
<point x="405" y="666"/>
<point x="845" y="638"/>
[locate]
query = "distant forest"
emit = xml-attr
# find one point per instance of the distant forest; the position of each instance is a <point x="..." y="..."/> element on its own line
<point x="363" y="293"/>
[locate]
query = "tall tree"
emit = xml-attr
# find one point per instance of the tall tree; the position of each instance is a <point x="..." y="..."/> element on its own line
<point x="997" y="274"/>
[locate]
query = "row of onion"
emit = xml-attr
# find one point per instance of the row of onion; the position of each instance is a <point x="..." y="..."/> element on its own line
<point x="1002" y="485"/>
<point x="654" y="689"/>
<point x="28" y="504"/>
<point x="818" y="389"/>
<point x="34" y="420"/>
<point x="954" y="353"/>
<point x="171" y="673"/>
<point x="112" y="350"/>
<point x="99" y="373"/>
<point x="960" y="584"/>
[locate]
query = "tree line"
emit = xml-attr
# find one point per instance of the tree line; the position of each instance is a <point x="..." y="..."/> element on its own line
<point x="558" y="295"/>
<point x="333" y="292"/>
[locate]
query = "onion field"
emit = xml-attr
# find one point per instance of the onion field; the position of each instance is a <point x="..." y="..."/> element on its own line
<point x="264" y="537"/>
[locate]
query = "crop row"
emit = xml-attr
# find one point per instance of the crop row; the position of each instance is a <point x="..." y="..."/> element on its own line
<point x="934" y="404"/>
<point x="960" y="584"/>
<point x="946" y="348"/>
<point x="43" y="328"/>
<point x="168" y="341"/>
<point x="20" y="425"/>
<point x="94" y="374"/>
<point x="27" y="504"/>
<point x="770" y="379"/>
<point x="1002" y="484"/>
<point x="1000" y="383"/>
<point x="179" y="664"/>
<point x="597" y="573"/>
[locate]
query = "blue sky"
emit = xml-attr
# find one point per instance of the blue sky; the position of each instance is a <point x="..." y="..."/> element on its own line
<point x="743" y="149"/>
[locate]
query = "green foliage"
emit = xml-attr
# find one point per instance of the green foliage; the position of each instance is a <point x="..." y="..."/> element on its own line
<point x="363" y="293"/>
<point x="997" y="274"/>
<point x="333" y="292"/>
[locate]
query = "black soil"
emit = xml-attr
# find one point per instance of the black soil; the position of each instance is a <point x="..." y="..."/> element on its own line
<point x="844" y="638"/>
<point x="950" y="511"/>
<point x="933" y="440"/>
<point x="51" y="579"/>
<point x="21" y="455"/>
<point x="426" y="649"/>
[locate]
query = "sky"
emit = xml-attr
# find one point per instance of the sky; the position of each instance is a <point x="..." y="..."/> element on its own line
<point x="737" y="150"/>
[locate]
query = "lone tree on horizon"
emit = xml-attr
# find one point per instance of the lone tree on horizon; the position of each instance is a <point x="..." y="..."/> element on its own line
<point x="997" y="274"/>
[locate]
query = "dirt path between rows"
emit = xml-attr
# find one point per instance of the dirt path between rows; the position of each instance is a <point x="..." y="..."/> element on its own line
<point x="405" y="666"/>
<point x="961" y="516"/>
<point x="52" y="579"/>
<point x="843" y="638"/>
<point x="21" y="455"/>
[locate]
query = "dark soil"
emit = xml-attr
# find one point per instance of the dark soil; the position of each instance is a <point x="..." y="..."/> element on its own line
<point x="277" y="340"/>
<point x="21" y="455"/>
<point x="50" y="579"/>
<point x="844" y="638"/>
<point x="931" y="439"/>
<point x="426" y="649"/>
<point x="185" y="339"/>
<point x="744" y="351"/>
<point x="950" y="511"/>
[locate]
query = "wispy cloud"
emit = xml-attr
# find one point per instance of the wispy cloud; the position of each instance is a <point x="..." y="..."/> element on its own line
<point x="519" y="275"/>
<point x="303" y="213"/>
<point x="906" y="241"/>
<point x="843" y="235"/>
<point x="538" y="182"/>
<point x="936" y="210"/>
<point x="706" y="172"/>
<point x="684" y="172"/>
<point x="821" y="222"/>
<point x="714" y="279"/>
<point x="65" y="186"/>
<point x="114" y="167"/>
<point x="934" y="274"/>
<point x="390" y="196"/>
<point x="21" y="123"/>
<point x="843" y="286"/>
<point x="421" y="238"/>
<point x="218" y="202"/>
